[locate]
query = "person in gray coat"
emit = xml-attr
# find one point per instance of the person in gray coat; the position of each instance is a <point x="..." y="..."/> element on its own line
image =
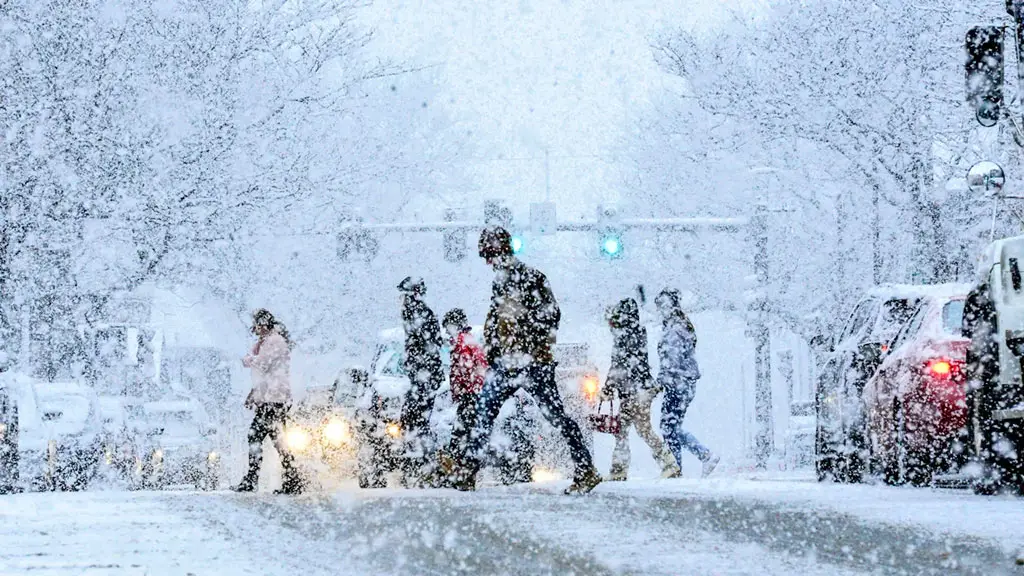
<point x="678" y="375"/>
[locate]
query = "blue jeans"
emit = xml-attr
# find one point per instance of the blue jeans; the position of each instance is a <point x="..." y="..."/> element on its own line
<point x="673" y="409"/>
<point x="539" y="381"/>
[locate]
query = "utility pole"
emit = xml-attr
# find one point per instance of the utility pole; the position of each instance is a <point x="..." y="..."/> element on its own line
<point x="761" y="332"/>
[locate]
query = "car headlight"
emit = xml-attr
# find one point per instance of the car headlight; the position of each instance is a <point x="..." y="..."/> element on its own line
<point x="335" y="432"/>
<point x="590" y="386"/>
<point x="393" y="430"/>
<point x="542" y="475"/>
<point x="212" y="457"/>
<point x="158" y="455"/>
<point x="296" y="438"/>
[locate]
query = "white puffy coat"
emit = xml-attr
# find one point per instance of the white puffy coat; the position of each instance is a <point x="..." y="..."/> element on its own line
<point x="270" y="364"/>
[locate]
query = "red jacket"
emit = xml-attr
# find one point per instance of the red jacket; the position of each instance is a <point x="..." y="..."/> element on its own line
<point x="469" y="365"/>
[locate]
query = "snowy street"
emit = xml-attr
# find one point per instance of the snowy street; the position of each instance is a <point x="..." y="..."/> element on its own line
<point x="639" y="527"/>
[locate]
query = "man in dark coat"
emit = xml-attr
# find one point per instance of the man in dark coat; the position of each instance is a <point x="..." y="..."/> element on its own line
<point x="519" y="334"/>
<point x="425" y="370"/>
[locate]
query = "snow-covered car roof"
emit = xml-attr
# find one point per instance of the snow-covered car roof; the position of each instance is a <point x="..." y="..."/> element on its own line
<point x="57" y="389"/>
<point x="908" y="291"/>
<point x="165" y="406"/>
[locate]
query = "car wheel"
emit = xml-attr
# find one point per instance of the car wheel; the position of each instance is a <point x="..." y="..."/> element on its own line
<point x="895" y="459"/>
<point x="370" y="475"/>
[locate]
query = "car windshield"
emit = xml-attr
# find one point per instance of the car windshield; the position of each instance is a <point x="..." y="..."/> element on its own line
<point x="66" y="413"/>
<point x="392" y="363"/>
<point x="953" y="317"/>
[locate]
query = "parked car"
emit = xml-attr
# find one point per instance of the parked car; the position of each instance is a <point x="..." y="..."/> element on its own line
<point x="915" y="402"/>
<point x="994" y="321"/>
<point x="178" y="446"/>
<point x="60" y="435"/>
<point x="123" y="425"/>
<point x="840" y="444"/>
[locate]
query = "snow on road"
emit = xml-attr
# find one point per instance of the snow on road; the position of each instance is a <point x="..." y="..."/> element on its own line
<point x="639" y="527"/>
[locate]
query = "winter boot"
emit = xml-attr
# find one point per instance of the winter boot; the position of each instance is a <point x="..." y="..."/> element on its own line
<point x="669" y="467"/>
<point x="710" y="463"/>
<point x="462" y="476"/>
<point x="584" y="483"/>
<point x="292" y="483"/>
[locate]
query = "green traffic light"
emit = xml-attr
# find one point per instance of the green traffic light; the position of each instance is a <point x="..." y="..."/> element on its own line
<point x="611" y="246"/>
<point x="517" y="244"/>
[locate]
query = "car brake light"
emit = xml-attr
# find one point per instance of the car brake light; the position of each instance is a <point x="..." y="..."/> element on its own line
<point x="942" y="368"/>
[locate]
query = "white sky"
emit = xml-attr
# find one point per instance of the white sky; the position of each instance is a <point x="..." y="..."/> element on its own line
<point x="530" y="74"/>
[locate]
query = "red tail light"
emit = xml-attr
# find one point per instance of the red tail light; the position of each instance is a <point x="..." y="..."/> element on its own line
<point x="943" y="368"/>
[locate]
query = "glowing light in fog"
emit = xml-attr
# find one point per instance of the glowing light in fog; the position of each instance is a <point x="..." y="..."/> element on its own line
<point x="335" y="432"/>
<point x="296" y="438"/>
<point x="542" y="475"/>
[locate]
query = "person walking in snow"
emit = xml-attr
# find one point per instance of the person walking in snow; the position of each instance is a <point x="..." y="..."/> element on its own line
<point x="466" y="375"/>
<point x="426" y="374"/>
<point x="678" y="375"/>
<point x="270" y="397"/>
<point x="519" y="334"/>
<point x="629" y="378"/>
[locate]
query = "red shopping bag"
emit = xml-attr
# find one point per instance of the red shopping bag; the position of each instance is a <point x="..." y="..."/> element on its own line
<point x="606" y="423"/>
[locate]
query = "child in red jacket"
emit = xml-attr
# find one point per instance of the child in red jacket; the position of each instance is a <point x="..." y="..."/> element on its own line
<point x="468" y="368"/>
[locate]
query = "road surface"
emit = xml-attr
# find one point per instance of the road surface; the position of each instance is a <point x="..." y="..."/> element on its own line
<point x="630" y="528"/>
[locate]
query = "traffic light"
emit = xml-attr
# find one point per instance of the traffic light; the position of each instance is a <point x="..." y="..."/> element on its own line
<point x="454" y="240"/>
<point x="611" y="244"/>
<point x="984" y="72"/>
<point x="517" y="243"/>
<point x="609" y="224"/>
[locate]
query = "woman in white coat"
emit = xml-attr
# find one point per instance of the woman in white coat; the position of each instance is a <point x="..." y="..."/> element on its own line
<point x="270" y="397"/>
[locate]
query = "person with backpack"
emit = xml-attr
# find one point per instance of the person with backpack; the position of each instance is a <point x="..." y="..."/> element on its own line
<point x="629" y="378"/>
<point x="270" y="397"/>
<point x="466" y="375"/>
<point x="519" y="335"/>
<point x="678" y="375"/>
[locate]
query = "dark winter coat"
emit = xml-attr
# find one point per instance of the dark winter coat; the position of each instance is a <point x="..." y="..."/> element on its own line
<point x="677" y="353"/>
<point x="629" y="370"/>
<point x="422" y="342"/>
<point x="979" y="326"/>
<point x="524" y="315"/>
